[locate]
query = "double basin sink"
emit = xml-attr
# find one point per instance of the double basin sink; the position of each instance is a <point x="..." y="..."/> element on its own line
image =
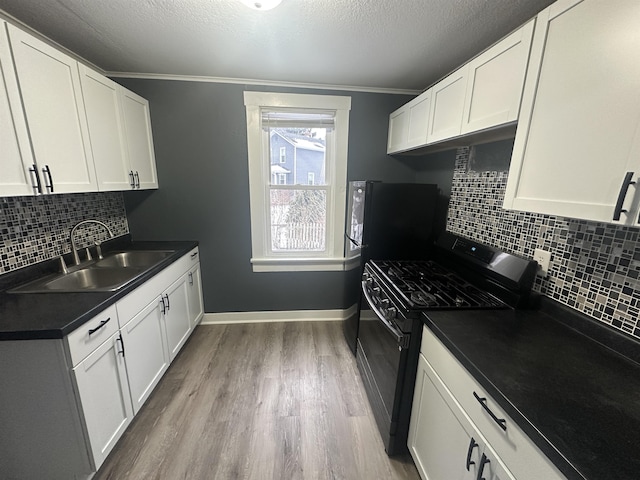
<point x="108" y="274"/>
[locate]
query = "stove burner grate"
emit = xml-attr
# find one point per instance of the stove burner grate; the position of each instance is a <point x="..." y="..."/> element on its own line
<point x="426" y="284"/>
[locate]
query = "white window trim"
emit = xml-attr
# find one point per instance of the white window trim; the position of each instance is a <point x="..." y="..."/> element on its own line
<point x="262" y="260"/>
<point x="283" y="154"/>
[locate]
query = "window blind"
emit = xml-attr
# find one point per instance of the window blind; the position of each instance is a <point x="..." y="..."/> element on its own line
<point x="297" y="119"/>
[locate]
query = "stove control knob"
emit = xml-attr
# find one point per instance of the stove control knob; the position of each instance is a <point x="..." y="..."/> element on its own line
<point x="390" y="313"/>
<point x="385" y="302"/>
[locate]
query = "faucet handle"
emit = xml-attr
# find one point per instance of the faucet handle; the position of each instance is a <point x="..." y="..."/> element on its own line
<point x="97" y="243"/>
<point x="88" y="252"/>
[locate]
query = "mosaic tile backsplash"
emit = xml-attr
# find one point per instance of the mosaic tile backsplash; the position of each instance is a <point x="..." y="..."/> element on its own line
<point x="595" y="267"/>
<point x="33" y="229"/>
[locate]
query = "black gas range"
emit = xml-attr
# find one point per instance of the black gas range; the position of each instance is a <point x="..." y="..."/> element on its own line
<point x="396" y="293"/>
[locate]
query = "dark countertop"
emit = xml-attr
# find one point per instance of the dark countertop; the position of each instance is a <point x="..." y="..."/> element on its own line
<point x="30" y="316"/>
<point x="577" y="398"/>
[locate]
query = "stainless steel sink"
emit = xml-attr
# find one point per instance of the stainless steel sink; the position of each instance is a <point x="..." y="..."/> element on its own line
<point x="105" y="275"/>
<point x="97" y="279"/>
<point x="133" y="258"/>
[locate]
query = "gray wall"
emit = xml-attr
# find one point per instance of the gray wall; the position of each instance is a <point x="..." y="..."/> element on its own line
<point x="201" y="152"/>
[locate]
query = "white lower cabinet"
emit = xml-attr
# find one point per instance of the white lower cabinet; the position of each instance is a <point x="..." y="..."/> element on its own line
<point x="176" y="315"/>
<point x="452" y="436"/>
<point x="194" y="295"/>
<point x="103" y="389"/>
<point x="442" y="440"/>
<point x="147" y="357"/>
<point x="66" y="402"/>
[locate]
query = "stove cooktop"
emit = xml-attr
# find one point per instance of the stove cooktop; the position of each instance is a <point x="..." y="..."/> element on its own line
<point x="424" y="285"/>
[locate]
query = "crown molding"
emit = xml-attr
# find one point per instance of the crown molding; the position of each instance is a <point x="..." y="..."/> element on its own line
<point x="249" y="81"/>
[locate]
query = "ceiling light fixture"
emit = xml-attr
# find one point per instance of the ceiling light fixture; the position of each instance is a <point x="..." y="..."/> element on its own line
<point x="261" y="4"/>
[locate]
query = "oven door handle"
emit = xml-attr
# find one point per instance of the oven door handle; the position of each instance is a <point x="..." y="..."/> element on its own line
<point x="401" y="339"/>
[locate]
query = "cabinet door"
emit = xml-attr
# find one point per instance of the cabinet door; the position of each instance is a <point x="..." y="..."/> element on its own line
<point x="496" y="80"/>
<point x="104" y="396"/>
<point x="442" y="439"/>
<point x="196" y="304"/>
<point x="102" y="105"/>
<point x="139" y="140"/>
<point x="579" y="128"/>
<point x="147" y="357"/>
<point x="419" y="120"/>
<point x="398" y="130"/>
<point x="176" y="317"/>
<point x="491" y="467"/>
<point x="16" y="158"/>
<point x="442" y="446"/>
<point x="51" y="95"/>
<point x="408" y="126"/>
<point x="447" y="105"/>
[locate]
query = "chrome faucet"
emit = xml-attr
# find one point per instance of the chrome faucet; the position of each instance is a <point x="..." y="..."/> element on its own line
<point x="74" y="249"/>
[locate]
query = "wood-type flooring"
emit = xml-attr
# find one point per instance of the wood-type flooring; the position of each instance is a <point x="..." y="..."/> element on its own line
<point x="258" y="401"/>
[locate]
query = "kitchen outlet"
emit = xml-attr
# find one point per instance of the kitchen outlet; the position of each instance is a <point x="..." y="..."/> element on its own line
<point x="543" y="258"/>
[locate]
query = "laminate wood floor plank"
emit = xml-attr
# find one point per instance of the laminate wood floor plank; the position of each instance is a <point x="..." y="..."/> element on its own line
<point x="281" y="401"/>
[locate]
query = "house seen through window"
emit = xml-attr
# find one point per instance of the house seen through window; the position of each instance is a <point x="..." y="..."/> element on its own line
<point x="298" y="214"/>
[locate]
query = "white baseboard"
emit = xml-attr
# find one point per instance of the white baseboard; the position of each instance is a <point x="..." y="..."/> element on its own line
<point x="278" y="316"/>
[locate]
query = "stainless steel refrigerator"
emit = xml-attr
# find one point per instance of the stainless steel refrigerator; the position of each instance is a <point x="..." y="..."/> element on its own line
<point x="385" y="221"/>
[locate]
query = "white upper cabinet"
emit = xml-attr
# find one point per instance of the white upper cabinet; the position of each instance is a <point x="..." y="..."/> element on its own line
<point x="139" y="140"/>
<point x="483" y="94"/>
<point x="49" y="85"/>
<point x="106" y="131"/>
<point x="577" y="147"/>
<point x="16" y="159"/>
<point x="408" y="125"/>
<point x="447" y="105"/>
<point x="495" y="82"/>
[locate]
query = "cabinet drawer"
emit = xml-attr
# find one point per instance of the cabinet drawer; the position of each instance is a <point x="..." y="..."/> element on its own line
<point x="85" y="339"/>
<point x="512" y="445"/>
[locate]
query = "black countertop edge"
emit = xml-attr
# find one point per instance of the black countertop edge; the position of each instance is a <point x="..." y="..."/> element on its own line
<point x="597" y="331"/>
<point x="537" y="437"/>
<point x="103" y="300"/>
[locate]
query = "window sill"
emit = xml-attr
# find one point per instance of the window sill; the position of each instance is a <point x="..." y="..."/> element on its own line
<point x="304" y="264"/>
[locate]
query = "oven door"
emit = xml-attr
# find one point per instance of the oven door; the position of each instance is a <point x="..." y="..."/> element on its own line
<point x="382" y="356"/>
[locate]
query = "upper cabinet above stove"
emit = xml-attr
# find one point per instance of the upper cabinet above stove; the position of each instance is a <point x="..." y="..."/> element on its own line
<point x="62" y="132"/>
<point x="577" y="148"/>
<point x="481" y="99"/>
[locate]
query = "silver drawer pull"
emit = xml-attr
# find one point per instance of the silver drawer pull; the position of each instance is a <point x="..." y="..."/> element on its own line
<point x="502" y="423"/>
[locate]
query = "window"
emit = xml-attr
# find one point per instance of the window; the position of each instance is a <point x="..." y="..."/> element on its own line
<point x="283" y="154"/>
<point x="297" y="212"/>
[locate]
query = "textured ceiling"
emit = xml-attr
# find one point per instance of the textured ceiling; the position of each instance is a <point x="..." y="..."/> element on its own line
<point x="375" y="44"/>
